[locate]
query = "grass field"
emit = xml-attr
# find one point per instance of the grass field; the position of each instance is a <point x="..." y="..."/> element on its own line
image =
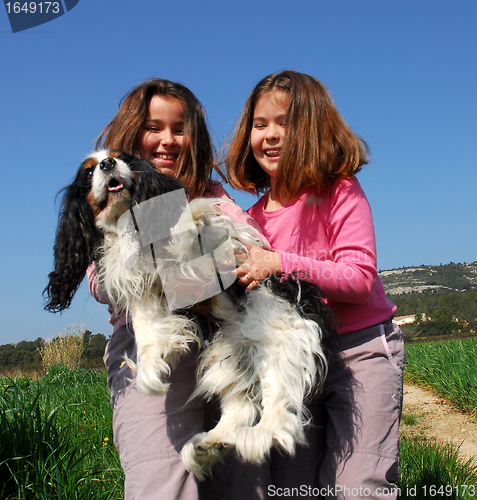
<point x="430" y="470"/>
<point x="56" y="440"/>
<point x="449" y="367"/>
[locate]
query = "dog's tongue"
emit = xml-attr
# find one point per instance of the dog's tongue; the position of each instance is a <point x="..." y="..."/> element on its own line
<point x="118" y="187"/>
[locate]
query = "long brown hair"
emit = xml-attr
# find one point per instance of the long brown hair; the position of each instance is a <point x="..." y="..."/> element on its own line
<point x="196" y="160"/>
<point x="319" y="147"/>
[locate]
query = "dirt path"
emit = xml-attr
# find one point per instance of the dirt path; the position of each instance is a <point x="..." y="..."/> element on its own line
<point x="438" y="418"/>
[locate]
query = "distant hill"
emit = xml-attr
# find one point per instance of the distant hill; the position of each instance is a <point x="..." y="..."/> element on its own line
<point x="430" y="280"/>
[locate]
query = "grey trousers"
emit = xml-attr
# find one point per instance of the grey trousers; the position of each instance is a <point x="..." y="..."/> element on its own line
<point x="362" y="401"/>
<point x="150" y="431"/>
<point x="353" y="435"/>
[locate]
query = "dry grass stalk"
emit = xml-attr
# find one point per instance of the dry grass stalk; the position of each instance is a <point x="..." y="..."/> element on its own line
<point x="64" y="350"/>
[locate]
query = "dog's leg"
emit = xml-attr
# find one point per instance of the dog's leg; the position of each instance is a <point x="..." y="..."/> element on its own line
<point x="287" y="374"/>
<point x="204" y="450"/>
<point x="221" y="374"/>
<point x="280" y="424"/>
<point x="161" y="340"/>
<point x="277" y="360"/>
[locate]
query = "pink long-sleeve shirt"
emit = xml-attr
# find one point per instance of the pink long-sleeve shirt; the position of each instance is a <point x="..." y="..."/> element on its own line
<point x="331" y="238"/>
<point x="215" y="190"/>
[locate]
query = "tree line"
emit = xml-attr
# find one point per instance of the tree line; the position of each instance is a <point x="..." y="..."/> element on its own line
<point x="28" y="352"/>
<point x="440" y="314"/>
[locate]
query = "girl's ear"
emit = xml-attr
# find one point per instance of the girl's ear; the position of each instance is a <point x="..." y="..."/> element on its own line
<point x="76" y="239"/>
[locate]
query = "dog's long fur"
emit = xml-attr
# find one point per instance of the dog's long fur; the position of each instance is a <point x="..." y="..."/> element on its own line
<point x="271" y="351"/>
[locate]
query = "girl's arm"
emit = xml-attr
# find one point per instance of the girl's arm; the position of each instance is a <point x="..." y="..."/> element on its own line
<point x="94" y="285"/>
<point x="345" y="270"/>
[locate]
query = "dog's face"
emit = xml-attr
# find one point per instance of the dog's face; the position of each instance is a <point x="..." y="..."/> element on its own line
<point x="110" y="180"/>
<point x="106" y="185"/>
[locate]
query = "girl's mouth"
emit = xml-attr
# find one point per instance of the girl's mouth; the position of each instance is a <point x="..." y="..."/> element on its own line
<point x="272" y="153"/>
<point x="165" y="157"/>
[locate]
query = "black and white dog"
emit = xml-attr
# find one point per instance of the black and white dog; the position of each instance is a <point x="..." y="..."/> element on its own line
<point x="272" y="348"/>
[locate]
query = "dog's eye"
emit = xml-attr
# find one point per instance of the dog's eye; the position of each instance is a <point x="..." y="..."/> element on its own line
<point x="89" y="173"/>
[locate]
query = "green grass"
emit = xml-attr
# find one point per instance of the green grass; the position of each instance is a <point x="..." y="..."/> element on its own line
<point x="56" y="443"/>
<point x="56" y="438"/>
<point x="426" y="464"/>
<point x="448" y="367"/>
<point x="409" y="419"/>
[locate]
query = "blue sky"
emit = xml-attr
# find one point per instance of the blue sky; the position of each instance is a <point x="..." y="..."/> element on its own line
<point x="402" y="73"/>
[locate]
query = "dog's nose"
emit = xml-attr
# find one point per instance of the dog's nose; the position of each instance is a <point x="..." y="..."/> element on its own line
<point x="107" y="164"/>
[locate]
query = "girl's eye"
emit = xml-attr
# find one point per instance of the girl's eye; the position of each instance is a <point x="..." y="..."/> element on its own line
<point x="179" y="132"/>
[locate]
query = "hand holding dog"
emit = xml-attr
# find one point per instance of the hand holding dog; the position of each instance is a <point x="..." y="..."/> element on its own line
<point x="259" y="264"/>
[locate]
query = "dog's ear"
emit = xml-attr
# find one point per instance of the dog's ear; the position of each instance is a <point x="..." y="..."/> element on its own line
<point x="76" y="238"/>
<point x="149" y="182"/>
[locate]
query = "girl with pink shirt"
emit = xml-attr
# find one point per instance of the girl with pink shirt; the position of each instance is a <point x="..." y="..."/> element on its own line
<point x="292" y="145"/>
<point x="163" y="122"/>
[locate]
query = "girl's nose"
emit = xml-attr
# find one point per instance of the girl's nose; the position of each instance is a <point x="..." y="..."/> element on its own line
<point x="167" y="137"/>
<point x="273" y="132"/>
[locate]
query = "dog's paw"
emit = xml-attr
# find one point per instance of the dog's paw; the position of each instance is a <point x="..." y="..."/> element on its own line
<point x="286" y="432"/>
<point x="154" y="387"/>
<point x="286" y="441"/>
<point x="254" y="443"/>
<point x="149" y="380"/>
<point x="199" y="455"/>
<point x="290" y="433"/>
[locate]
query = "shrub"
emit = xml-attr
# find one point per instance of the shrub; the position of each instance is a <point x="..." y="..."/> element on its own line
<point x="64" y="350"/>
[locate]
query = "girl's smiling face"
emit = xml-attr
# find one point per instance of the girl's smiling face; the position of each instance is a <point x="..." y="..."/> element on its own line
<point x="162" y="135"/>
<point x="268" y="130"/>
